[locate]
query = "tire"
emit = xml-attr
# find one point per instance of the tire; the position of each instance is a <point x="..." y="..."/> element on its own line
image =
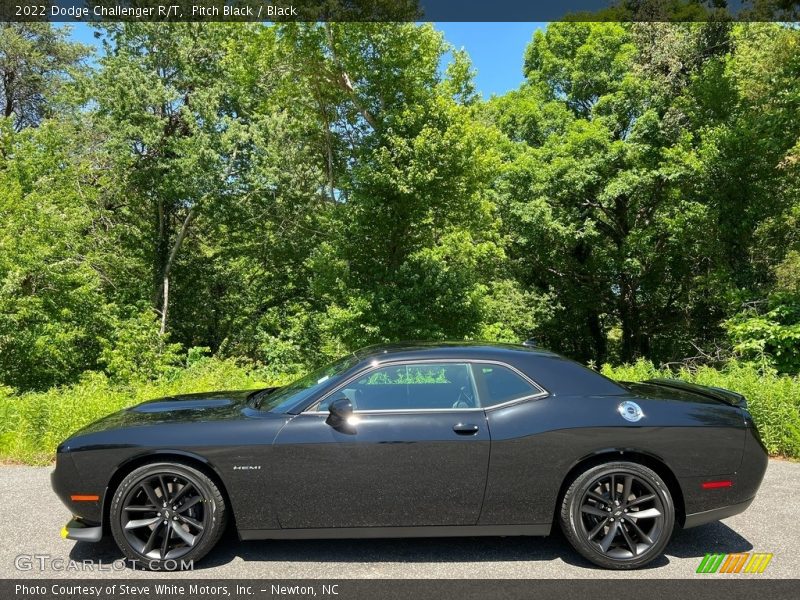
<point x="166" y="536"/>
<point x="599" y="527"/>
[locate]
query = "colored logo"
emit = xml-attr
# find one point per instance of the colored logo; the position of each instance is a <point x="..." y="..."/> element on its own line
<point x="630" y="411"/>
<point x="742" y="562"/>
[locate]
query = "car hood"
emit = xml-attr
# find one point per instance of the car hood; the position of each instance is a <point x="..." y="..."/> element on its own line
<point x="207" y="401"/>
<point x="208" y="406"/>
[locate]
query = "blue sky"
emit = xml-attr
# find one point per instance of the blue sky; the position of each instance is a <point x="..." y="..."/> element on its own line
<point x="496" y="50"/>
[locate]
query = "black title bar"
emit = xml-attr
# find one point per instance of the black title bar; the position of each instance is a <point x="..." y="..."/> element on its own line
<point x="66" y="11"/>
<point x="394" y="589"/>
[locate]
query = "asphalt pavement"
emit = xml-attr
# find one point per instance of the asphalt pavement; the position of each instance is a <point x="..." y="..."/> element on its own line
<point x="31" y="546"/>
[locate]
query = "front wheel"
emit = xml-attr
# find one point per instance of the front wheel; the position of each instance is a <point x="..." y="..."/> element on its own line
<point x="618" y="515"/>
<point x="164" y="516"/>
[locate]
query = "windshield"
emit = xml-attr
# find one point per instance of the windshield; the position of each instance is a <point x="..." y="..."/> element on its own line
<point x="281" y="399"/>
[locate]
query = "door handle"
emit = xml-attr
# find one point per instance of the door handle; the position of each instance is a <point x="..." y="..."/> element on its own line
<point x="465" y="429"/>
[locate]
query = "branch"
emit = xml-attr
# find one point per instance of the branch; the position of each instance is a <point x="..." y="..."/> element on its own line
<point x="613" y="227"/>
<point x="346" y="84"/>
<point x="179" y="240"/>
<point x="190" y="217"/>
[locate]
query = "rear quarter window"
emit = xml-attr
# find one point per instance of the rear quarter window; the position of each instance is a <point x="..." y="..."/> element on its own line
<point x="500" y="384"/>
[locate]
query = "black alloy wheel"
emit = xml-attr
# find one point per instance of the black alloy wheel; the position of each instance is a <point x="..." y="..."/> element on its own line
<point x="166" y="512"/>
<point x="618" y="515"/>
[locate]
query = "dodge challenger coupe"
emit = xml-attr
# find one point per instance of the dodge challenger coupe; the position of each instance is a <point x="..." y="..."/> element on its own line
<point x="417" y="440"/>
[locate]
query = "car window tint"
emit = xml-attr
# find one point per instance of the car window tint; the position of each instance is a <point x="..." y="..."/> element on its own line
<point x="501" y="384"/>
<point x="414" y="387"/>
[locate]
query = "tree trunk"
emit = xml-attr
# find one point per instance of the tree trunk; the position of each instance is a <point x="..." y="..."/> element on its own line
<point x="173" y="254"/>
<point x="164" y="267"/>
<point x="597" y="347"/>
<point x="600" y="343"/>
<point x="160" y="254"/>
<point x="165" y="305"/>
<point x="8" y="80"/>
<point x="630" y="319"/>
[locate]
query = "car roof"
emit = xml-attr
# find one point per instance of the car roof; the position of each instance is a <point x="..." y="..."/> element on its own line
<point x="466" y="350"/>
<point x="551" y="371"/>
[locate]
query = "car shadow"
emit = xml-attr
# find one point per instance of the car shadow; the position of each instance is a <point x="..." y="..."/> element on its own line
<point x="714" y="537"/>
<point x="696" y="542"/>
<point x="407" y="550"/>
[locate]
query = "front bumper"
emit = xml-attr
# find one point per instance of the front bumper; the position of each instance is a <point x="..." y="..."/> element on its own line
<point x="82" y="531"/>
<point x="71" y="489"/>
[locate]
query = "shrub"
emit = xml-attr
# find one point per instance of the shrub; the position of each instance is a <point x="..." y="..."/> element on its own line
<point x="137" y="351"/>
<point x="771" y="338"/>
<point x="34" y="423"/>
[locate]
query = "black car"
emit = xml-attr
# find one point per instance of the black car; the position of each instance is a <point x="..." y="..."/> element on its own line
<point x="415" y="441"/>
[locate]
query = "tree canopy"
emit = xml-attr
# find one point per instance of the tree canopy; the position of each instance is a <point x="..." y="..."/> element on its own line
<point x="286" y="193"/>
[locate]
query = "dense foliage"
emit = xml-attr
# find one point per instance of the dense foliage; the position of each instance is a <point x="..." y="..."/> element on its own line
<point x="32" y="424"/>
<point x="283" y="194"/>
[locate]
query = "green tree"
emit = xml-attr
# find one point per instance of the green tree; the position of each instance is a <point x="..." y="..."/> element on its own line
<point x="218" y="196"/>
<point x="53" y="310"/>
<point x="417" y="252"/>
<point x="289" y="192"/>
<point x="648" y="163"/>
<point x="36" y="59"/>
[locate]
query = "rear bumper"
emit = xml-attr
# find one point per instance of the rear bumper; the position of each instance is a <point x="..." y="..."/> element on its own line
<point x="708" y="516"/>
<point x="704" y="505"/>
<point x="82" y="531"/>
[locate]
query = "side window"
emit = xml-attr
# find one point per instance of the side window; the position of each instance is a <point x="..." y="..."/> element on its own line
<point x="501" y="384"/>
<point x="413" y="387"/>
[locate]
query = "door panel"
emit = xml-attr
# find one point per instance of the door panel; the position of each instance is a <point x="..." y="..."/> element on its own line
<point x="388" y="470"/>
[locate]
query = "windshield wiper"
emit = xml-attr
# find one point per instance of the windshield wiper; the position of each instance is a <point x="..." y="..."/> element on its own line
<point x="257" y="398"/>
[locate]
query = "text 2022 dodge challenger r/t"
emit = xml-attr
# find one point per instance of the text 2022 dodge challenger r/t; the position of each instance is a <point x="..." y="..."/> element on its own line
<point x="413" y="441"/>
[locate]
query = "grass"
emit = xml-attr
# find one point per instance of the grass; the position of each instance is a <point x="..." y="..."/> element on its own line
<point x="34" y="423"/>
<point x="773" y="400"/>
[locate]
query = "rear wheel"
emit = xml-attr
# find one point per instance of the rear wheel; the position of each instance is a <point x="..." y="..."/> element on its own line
<point x="165" y="515"/>
<point x="618" y="515"/>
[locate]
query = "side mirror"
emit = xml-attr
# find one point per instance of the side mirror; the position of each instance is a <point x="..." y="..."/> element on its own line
<point x="340" y="409"/>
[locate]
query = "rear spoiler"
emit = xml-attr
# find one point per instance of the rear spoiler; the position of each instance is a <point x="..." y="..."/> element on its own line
<point x="720" y="394"/>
